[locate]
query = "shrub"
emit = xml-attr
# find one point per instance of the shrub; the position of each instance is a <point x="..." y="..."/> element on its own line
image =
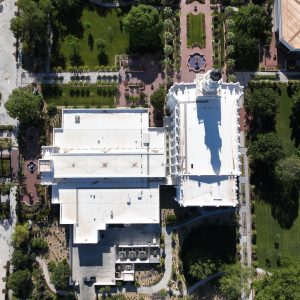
<point x="171" y="219"/>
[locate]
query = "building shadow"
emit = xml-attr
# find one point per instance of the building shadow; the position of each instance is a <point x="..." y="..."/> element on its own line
<point x="209" y="113"/>
<point x="91" y="255"/>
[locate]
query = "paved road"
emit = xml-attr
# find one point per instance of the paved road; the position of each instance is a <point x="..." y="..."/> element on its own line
<point x="8" y="70"/>
<point x="6" y="230"/>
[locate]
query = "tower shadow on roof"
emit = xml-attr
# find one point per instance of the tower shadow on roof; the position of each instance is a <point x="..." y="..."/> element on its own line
<point x="209" y="113"/>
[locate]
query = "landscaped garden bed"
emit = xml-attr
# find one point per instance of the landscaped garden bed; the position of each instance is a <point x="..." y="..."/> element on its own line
<point x="81" y="94"/>
<point x="196" y="30"/>
<point x="218" y="40"/>
<point x="105" y="24"/>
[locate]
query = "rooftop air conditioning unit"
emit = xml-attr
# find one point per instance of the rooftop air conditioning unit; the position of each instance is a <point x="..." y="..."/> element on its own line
<point x="132" y="255"/>
<point x="122" y="255"/>
<point x="128" y="267"/>
<point x="142" y="255"/>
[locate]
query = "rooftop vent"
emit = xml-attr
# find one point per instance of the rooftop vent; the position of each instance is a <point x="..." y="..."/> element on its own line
<point x="77" y="119"/>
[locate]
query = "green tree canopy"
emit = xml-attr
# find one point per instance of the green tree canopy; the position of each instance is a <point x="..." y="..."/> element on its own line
<point x="144" y="26"/>
<point x="19" y="260"/>
<point x="288" y="170"/>
<point x="261" y="104"/>
<point x="266" y="149"/>
<point x="283" y="283"/>
<point x="31" y="23"/>
<point x="24" y="105"/>
<point x="20" y="283"/>
<point x="157" y="98"/>
<point x="235" y="280"/>
<point x="60" y="274"/>
<point x="252" y="20"/>
<point x="39" y="245"/>
<point x="21" y="235"/>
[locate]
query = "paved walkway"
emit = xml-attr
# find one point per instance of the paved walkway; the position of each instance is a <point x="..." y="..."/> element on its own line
<point x="186" y="74"/>
<point x="44" y="268"/>
<point x="163" y="284"/>
<point x="46" y="274"/>
<point x="27" y="78"/>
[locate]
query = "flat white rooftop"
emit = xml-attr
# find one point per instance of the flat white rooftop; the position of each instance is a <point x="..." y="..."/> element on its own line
<point x="105" y="167"/>
<point x="97" y="165"/>
<point x="204" y="141"/>
<point x="208" y="133"/>
<point x="91" y="210"/>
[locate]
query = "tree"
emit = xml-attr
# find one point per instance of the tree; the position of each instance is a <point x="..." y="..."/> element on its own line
<point x="168" y="36"/>
<point x="283" y="283"/>
<point x="295" y="119"/>
<point x="202" y="268"/>
<point x="157" y="98"/>
<point x="252" y="20"/>
<point x="24" y="105"/>
<point x="19" y="260"/>
<point x="236" y="280"/>
<point x="60" y="275"/>
<point x="20" y="283"/>
<point x="288" y="171"/>
<point x="168" y="50"/>
<point x="266" y="149"/>
<point x="230" y="63"/>
<point x="52" y="109"/>
<point x="262" y="106"/>
<point x="73" y="43"/>
<point x="39" y="245"/>
<point x="100" y="43"/>
<point x="21" y="235"/>
<point x="144" y="26"/>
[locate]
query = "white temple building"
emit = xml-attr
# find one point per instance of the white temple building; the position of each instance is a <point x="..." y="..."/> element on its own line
<point x="202" y="140"/>
<point x="106" y="166"/>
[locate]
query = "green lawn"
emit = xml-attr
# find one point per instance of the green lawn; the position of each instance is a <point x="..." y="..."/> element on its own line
<point x="268" y="229"/>
<point x="283" y="121"/>
<point x="90" y="96"/>
<point x="105" y="24"/>
<point x="269" y="232"/>
<point x="196" y="30"/>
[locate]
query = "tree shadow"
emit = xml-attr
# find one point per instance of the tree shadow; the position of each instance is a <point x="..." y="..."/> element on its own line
<point x="295" y="125"/>
<point x="76" y="60"/>
<point x="102" y="58"/>
<point x="90" y="42"/>
<point x="284" y="201"/>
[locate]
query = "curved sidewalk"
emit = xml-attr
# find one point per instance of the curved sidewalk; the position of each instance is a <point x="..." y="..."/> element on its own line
<point x="163" y="283"/>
